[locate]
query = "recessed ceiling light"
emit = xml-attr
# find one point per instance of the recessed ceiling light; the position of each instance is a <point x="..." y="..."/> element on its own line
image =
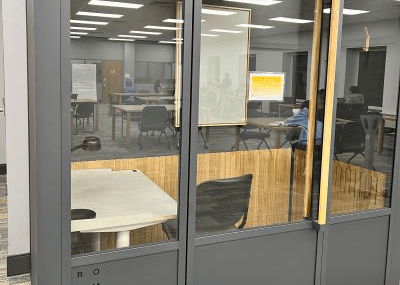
<point x="75" y="37"/>
<point x="115" y="4"/>
<point x="83" y="28"/>
<point x="132" y="36"/>
<point x="178" y="21"/>
<point x="78" y="33"/>
<point x="217" y="12"/>
<point x="350" y="12"/>
<point x="123" y="40"/>
<point x="291" y="20"/>
<point x="162" y="28"/>
<point x="89" y="22"/>
<point x="145" y="33"/>
<point x="226" y="31"/>
<point x="169" y="42"/>
<point x="103" y="15"/>
<point x="209" y="35"/>
<point x="255" y="26"/>
<point x="257" y="2"/>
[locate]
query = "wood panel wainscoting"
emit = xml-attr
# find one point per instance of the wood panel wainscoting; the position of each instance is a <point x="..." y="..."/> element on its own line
<point x="354" y="188"/>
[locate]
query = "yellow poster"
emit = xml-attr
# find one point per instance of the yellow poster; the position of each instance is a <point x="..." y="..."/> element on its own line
<point x="266" y="86"/>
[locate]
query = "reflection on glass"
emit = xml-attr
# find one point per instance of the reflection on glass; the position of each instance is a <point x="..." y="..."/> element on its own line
<point x="367" y="106"/>
<point x="125" y="130"/>
<point x="254" y="116"/>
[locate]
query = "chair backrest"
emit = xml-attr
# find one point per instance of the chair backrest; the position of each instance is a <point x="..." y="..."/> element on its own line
<point x="154" y="118"/>
<point x="350" y="138"/>
<point x="225" y="201"/>
<point x="74" y="96"/>
<point x="84" y="109"/>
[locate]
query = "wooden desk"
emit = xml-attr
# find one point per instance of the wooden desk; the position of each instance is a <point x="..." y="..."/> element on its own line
<point x="266" y="124"/>
<point x="75" y="103"/>
<point x="123" y="200"/>
<point x="130" y="109"/>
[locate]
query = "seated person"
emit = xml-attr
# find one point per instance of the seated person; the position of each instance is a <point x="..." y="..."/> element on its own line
<point x="301" y="119"/>
<point x="355" y="96"/>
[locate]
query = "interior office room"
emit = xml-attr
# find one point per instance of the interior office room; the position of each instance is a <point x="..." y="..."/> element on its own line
<point x="219" y="141"/>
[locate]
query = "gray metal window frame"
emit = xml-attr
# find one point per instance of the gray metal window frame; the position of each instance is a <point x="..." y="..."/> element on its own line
<point x="49" y="75"/>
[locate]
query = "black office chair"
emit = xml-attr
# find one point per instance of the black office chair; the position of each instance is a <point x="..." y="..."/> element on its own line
<point x="246" y="135"/>
<point x="154" y="118"/>
<point x="84" y="111"/>
<point x="220" y="205"/>
<point x="350" y="138"/>
<point x="292" y="136"/>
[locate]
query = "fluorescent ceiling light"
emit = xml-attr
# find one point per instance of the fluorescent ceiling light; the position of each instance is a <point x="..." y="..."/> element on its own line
<point x="257" y="2"/>
<point x="291" y="20"/>
<point x="132" y="36"/>
<point x="123" y="40"/>
<point x="83" y="28"/>
<point x="178" y="21"/>
<point x="103" y="15"/>
<point x="78" y="33"/>
<point x="209" y="35"/>
<point x="177" y="39"/>
<point x="255" y="26"/>
<point x="145" y="33"/>
<point x="217" y="12"/>
<point x="226" y="31"/>
<point x="162" y="28"/>
<point x="205" y="20"/>
<point x="169" y="42"/>
<point x="75" y="37"/>
<point x="88" y="22"/>
<point x="350" y="12"/>
<point x="115" y="4"/>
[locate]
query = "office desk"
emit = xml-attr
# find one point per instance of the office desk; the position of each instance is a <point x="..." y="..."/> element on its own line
<point x="120" y="95"/>
<point x="75" y="103"/>
<point x="123" y="200"/>
<point x="266" y="124"/>
<point x="130" y="109"/>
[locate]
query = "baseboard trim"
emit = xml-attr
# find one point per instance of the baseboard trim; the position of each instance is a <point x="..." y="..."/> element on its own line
<point x="18" y="264"/>
<point x="3" y="169"/>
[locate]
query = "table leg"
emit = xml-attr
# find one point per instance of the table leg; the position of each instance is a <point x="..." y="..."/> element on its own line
<point x="97" y="117"/>
<point x="237" y="137"/>
<point x="113" y="123"/>
<point x="207" y="134"/>
<point x="120" y="100"/>
<point x="278" y="139"/>
<point x="123" y="239"/>
<point x="128" y="126"/>
<point x="379" y="137"/>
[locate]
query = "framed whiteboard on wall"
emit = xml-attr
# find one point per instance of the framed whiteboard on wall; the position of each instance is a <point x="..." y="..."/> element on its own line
<point x="266" y="86"/>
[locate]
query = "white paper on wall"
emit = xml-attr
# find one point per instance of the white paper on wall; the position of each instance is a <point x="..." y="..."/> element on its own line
<point x="84" y="81"/>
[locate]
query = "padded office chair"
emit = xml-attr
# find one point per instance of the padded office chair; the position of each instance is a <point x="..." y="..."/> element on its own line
<point x="84" y="111"/>
<point x="350" y="138"/>
<point x="246" y="135"/>
<point x="292" y="136"/>
<point x="154" y="118"/>
<point x="220" y="205"/>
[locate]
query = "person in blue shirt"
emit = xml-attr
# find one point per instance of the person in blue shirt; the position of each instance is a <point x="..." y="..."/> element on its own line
<point x="301" y="120"/>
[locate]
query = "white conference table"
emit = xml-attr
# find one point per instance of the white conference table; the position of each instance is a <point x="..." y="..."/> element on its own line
<point x="123" y="200"/>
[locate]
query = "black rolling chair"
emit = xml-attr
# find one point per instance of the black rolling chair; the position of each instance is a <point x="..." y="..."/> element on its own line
<point x="220" y="205"/>
<point x="292" y="136"/>
<point x="350" y="138"/>
<point x="84" y="111"/>
<point x="154" y="118"/>
<point x="246" y="135"/>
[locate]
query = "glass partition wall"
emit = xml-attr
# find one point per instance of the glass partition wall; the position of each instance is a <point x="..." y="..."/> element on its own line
<point x="125" y="62"/>
<point x="367" y="107"/>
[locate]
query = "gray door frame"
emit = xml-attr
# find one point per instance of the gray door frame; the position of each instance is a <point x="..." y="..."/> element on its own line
<point x="49" y="75"/>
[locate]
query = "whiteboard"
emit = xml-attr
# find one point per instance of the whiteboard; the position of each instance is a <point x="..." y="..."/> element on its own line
<point x="84" y="81"/>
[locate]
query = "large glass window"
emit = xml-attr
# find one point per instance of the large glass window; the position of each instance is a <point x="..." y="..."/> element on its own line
<point x="260" y="126"/>
<point x="125" y="92"/>
<point x="367" y="106"/>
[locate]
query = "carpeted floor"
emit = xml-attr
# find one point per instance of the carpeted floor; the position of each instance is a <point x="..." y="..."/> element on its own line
<point x="4" y="280"/>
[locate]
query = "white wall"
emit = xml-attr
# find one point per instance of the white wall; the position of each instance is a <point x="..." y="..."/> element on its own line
<point x="16" y="95"/>
<point x="2" y="115"/>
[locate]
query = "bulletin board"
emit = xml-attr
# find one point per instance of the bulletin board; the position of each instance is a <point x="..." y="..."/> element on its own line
<point x="84" y="81"/>
<point x="266" y="86"/>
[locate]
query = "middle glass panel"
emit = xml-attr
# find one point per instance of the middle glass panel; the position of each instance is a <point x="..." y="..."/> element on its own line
<point x="257" y="105"/>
